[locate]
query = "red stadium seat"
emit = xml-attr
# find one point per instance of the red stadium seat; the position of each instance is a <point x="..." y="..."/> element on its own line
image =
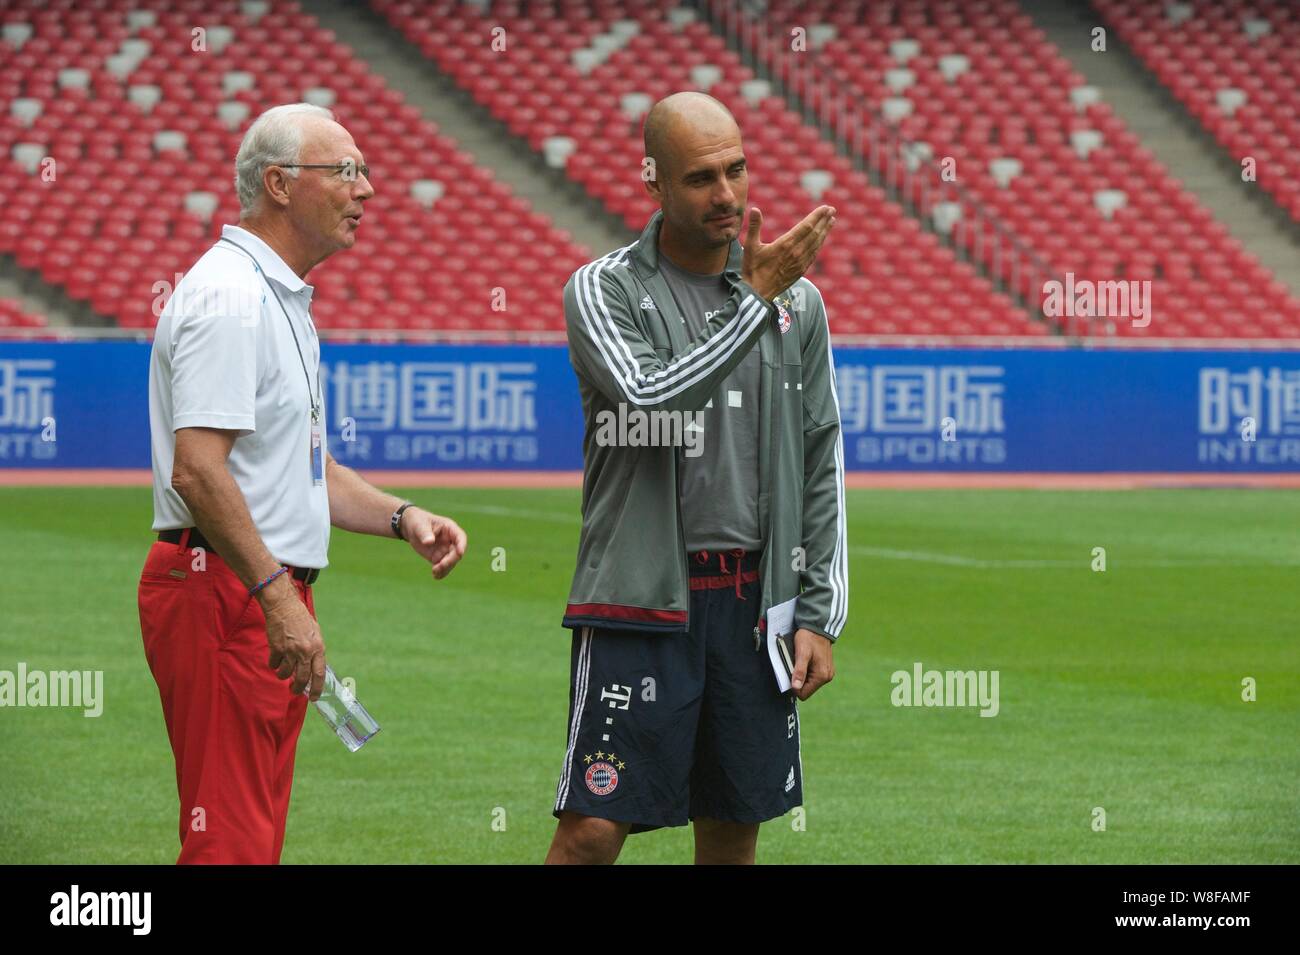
<point x="533" y="87"/>
<point x="126" y="237"/>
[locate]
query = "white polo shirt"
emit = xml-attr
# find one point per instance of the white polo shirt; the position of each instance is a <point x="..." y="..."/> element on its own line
<point x="224" y="357"/>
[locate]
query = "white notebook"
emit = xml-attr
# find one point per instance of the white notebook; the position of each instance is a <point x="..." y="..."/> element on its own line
<point x="780" y="642"/>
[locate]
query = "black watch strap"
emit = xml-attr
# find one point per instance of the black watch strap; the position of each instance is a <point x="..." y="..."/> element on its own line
<point x="397" y="520"/>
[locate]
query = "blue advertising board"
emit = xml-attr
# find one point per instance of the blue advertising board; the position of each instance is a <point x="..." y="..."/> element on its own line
<point x="480" y="407"/>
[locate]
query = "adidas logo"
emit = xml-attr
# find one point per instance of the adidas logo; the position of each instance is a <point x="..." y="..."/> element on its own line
<point x="647" y="305"/>
<point x="789" y="780"/>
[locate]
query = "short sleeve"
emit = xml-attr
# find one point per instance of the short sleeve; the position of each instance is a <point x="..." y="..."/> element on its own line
<point x="215" y="335"/>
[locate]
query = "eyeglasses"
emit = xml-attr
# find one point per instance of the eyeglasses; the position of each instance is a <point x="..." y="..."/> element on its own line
<point x="348" y="169"/>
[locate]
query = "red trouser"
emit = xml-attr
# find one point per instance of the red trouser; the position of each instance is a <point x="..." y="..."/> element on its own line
<point x="232" y="722"/>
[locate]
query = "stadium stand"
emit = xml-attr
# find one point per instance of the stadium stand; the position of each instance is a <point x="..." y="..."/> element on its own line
<point x="124" y="115"/>
<point x="976" y="80"/>
<point x="575" y="81"/>
<point x="13" y="315"/>
<point x="1236" y="67"/>
<point x="142" y="127"/>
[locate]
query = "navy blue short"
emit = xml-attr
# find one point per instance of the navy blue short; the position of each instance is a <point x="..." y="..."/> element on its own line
<point x="665" y="728"/>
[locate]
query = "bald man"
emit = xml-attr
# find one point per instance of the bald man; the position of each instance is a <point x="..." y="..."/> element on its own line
<point x="712" y="500"/>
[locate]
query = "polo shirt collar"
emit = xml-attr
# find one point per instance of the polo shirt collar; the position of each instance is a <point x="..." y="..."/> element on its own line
<point x="267" y="258"/>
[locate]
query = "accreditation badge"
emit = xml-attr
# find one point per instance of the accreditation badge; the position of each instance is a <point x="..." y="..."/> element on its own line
<point x="317" y="456"/>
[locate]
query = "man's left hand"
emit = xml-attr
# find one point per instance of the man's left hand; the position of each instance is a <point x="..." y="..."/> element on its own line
<point x="813" y="667"/>
<point x="437" y="539"/>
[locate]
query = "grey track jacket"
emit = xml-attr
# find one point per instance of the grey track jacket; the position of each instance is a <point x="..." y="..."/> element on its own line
<point x="629" y="347"/>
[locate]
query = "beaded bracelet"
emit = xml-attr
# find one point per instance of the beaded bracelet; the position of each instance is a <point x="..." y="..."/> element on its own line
<point x="252" y="591"/>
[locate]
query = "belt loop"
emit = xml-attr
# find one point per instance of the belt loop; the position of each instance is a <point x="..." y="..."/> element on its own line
<point x="185" y="539"/>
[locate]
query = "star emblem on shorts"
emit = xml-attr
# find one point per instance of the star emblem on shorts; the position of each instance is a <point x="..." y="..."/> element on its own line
<point x="622" y="765"/>
<point x="586" y="759"/>
<point x="599" y="754"/>
<point x="612" y="758"/>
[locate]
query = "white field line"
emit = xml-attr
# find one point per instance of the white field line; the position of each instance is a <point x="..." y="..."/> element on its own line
<point x="957" y="560"/>
<point x="1083" y="562"/>
<point x="493" y="510"/>
<point x="921" y="556"/>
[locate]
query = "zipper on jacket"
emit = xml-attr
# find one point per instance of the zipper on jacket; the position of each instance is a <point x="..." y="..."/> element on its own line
<point x="681" y="537"/>
<point x="773" y="460"/>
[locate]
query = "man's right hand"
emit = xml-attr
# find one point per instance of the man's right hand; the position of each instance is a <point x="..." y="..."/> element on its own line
<point x="297" y="649"/>
<point x="774" y="267"/>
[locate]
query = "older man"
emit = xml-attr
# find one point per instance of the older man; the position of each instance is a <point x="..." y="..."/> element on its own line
<point x="245" y="489"/>
<point x="675" y="713"/>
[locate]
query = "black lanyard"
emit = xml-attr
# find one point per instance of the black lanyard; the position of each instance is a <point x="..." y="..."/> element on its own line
<point x="315" y="400"/>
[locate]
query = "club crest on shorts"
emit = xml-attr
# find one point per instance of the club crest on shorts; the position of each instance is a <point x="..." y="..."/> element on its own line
<point x="783" y="315"/>
<point x="601" y="777"/>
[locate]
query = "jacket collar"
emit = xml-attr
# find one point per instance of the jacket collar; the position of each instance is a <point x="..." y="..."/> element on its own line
<point x="268" y="260"/>
<point x="645" y="253"/>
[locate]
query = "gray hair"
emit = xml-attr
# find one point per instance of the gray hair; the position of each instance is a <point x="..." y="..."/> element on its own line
<point x="275" y="138"/>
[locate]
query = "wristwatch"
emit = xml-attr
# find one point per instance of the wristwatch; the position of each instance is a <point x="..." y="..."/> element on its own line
<point x="397" y="520"/>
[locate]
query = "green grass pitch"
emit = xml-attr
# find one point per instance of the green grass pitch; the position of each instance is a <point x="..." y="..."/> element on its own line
<point x="1119" y="689"/>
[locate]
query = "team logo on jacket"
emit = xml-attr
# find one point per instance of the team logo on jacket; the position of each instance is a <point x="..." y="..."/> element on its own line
<point x="782" y="315"/>
<point x="601" y="778"/>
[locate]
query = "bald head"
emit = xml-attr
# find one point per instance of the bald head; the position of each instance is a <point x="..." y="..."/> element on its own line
<point x="684" y="116"/>
<point x="697" y="174"/>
